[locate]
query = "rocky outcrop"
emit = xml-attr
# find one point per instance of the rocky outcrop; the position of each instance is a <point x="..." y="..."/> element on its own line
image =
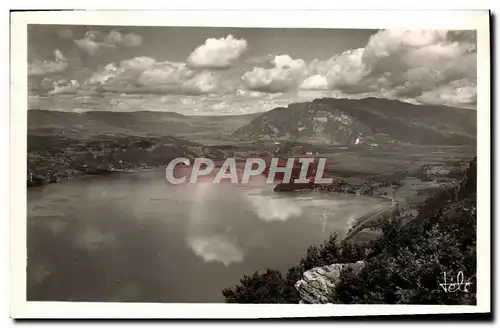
<point x="317" y="284"/>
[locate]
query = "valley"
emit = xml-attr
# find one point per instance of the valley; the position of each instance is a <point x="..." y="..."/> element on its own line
<point x="364" y="155"/>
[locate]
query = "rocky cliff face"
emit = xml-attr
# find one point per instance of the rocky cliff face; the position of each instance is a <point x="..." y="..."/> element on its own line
<point x="317" y="284"/>
<point x="367" y="121"/>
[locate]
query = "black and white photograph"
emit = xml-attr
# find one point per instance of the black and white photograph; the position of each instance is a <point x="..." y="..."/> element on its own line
<point x="235" y="164"/>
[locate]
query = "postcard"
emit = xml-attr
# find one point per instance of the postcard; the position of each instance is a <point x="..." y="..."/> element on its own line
<point x="249" y="164"/>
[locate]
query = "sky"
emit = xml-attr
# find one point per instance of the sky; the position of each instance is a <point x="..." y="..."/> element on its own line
<point x="219" y="71"/>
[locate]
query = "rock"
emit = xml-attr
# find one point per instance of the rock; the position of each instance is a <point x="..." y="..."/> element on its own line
<point x="317" y="284"/>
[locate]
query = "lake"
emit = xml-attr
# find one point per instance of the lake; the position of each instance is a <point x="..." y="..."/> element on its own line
<point x="135" y="237"/>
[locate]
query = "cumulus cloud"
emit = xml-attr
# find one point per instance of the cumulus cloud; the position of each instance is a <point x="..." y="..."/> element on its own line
<point x="90" y="42"/>
<point x="344" y="70"/>
<point x="459" y="92"/>
<point x="431" y="66"/>
<point x="124" y="73"/>
<point x="315" y="82"/>
<point x="286" y="75"/>
<point x="217" y="53"/>
<point x="88" y="45"/>
<point x="38" y="67"/>
<point x="204" y="82"/>
<point x="414" y="62"/>
<point x="94" y="41"/>
<point x="125" y="40"/>
<point x="65" y="87"/>
<point x="144" y="74"/>
<point x="424" y="66"/>
<point x="165" y="73"/>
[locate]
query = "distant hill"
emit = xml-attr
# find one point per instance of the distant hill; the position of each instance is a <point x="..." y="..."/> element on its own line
<point x="133" y="123"/>
<point x="364" y="121"/>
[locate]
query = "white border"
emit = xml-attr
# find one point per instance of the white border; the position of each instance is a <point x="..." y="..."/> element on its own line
<point x="478" y="20"/>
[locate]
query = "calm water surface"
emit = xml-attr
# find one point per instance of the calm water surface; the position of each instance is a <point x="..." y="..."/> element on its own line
<point x="134" y="237"/>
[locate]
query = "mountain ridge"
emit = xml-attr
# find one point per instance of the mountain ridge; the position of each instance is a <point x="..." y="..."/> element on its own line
<point x="372" y="121"/>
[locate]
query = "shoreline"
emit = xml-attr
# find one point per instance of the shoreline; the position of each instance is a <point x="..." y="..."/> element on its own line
<point x="359" y="222"/>
<point x="354" y="225"/>
<point x="89" y="175"/>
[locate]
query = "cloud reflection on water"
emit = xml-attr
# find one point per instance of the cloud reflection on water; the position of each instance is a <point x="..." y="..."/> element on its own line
<point x="214" y="210"/>
<point x="203" y="238"/>
<point x="216" y="248"/>
<point x="92" y="238"/>
<point x="274" y="209"/>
